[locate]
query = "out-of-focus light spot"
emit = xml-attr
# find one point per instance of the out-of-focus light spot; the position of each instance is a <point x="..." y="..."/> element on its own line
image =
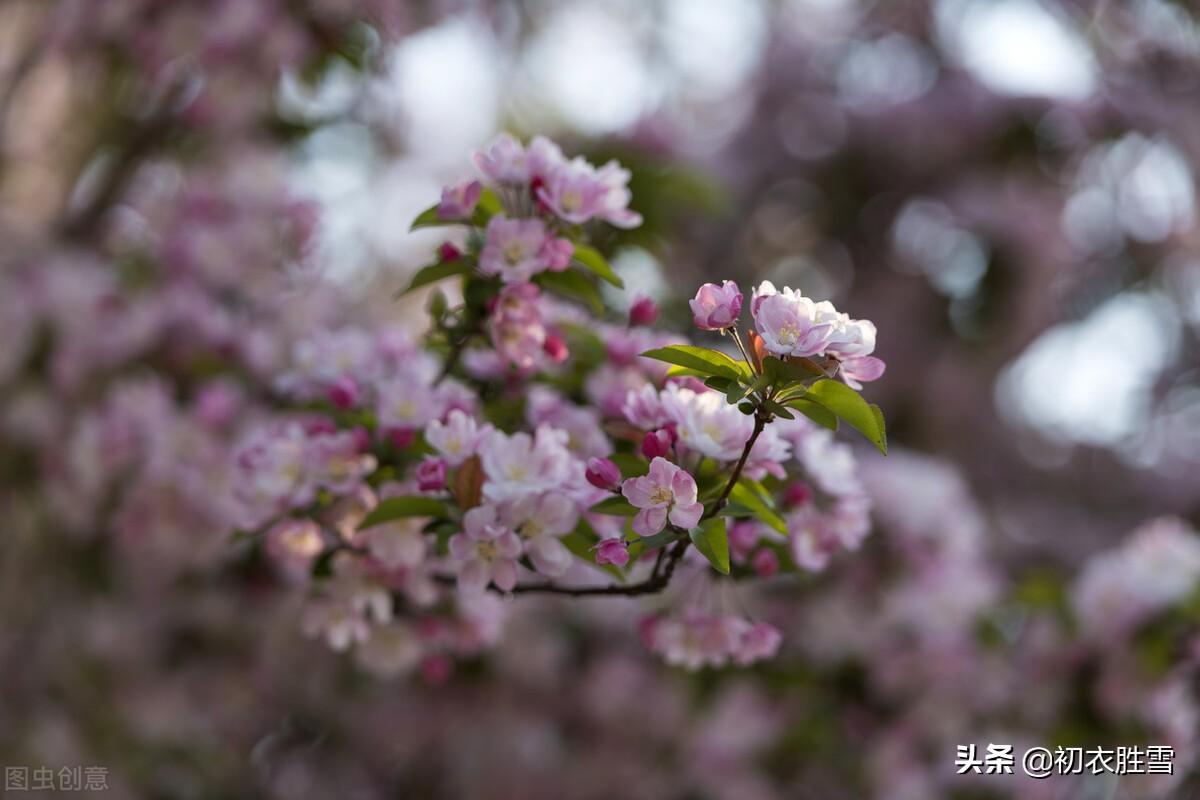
<point x="1182" y="274"/>
<point x="642" y="274"/>
<point x="1141" y="188"/>
<point x="887" y="71"/>
<point x="339" y="87"/>
<point x="1017" y="47"/>
<point x="926" y="238"/>
<point x="1090" y="381"/>
<point x="588" y="66"/>
<point x="715" y="44"/>
<point x="441" y="87"/>
<point x="811" y="126"/>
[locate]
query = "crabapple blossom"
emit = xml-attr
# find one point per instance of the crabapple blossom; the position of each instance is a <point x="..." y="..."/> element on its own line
<point x="519" y="465"/>
<point x="666" y="492"/>
<point x="539" y="520"/>
<point x="485" y="551"/>
<point x="716" y="308"/>
<point x="515" y="249"/>
<point x="458" y="201"/>
<point x="706" y="423"/>
<point x="789" y="323"/>
<point x="698" y="639"/>
<point x="516" y="326"/>
<point x="612" y="551"/>
<point x="457" y="438"/>
<point x="400" y="543"/>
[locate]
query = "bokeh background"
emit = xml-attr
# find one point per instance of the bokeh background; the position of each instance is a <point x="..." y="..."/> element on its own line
<point x="1006" y="187"/>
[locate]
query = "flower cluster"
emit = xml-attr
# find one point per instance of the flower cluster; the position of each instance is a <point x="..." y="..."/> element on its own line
<point x="414" y="481"/>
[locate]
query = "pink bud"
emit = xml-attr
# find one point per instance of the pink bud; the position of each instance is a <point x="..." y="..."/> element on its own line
<point x="612" y="551"/>
<point x="448" y="252"/>
<point x="716" y="308"/>
<point x="644" y="311"/>
<point x="765" y="563"/>
<point x="431" y="475"/>
<point x="344" y="393"/>
<point x="401" y="438"/>
<point x="556" y="348"/>
<point x="362" y="439"/>
<point x="603" y="474"/>
<point x="742" y="538"/>
<point x="797" y="494"/>
<point x="657" y="443"/>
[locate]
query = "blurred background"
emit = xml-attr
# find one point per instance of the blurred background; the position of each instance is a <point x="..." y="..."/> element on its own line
<point x="1006" y="187"/>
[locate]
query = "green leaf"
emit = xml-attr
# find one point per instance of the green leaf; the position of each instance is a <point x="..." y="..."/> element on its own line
<point x="590" y="259"/>
<point x="746" y="495"/>
<point x="793" y="370"/>
<point x="718" y="383"/>
<point x="573" y="285"/>
<point x="400" y="507"/>
<point x="778" y="410"/>
<point x="700" y="359"/>
<point x="818" y="414"/>
<point x="631" y="466"/>
<point x="429" y="219"/>
<point x="615" y="506"/>
<point x="850" y="406"/>
<point x="712" y="541"/>
<point x="437" y="272"/>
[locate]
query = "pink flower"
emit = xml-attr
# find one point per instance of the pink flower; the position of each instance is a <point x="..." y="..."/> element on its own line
<point x="612" y="551"/>
<point x="861" y="369"/>
<point x="706" y="423"/>
<point x="431" y="475"/>
<point x="458" y="438"/>
<point x="503" y="160"/>
<point x="716" y="307"/>
<point x="459" y="200"/>
<point x="603" y="474"/>
<point x="521" y="464"/>
<point x="667" y="492"/>
<point x="516" y="327"/>
<point x="574" y="192"/>
<point x="789" y="323"/>
<point x="539" y="520"/>
<point x="644" y="311"/>
<point x="485" y="551"/>
<point x="557" y="253"/>
<point x="616" y="201"/>
<point x="515" y="249"/>
<point x="759" y="642"/>
<point x="337" y="462"/>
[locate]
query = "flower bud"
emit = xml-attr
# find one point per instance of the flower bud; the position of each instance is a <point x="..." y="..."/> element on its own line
<point x="431" y="475"/>
<point x="657" y="443"/>
<point x="612" y="551"/>
<point x="765" y="563"/>
<point x="448" y="252"/>
<point x="644" y="311"/>
<point x="603" y="474"/>
<point x="344" y="393"/>
<point x="556" y="348"/>
<point x="716" y="308"/>
<point x="797" y="493"/>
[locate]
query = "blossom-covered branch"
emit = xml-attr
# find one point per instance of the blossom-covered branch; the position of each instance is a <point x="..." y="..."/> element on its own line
<point x="527" y="432"/>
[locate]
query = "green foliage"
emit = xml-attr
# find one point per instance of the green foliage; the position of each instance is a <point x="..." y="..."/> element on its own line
<point x="590" y="259"/>
<point x="400" y="507"/>
<point x="849" y="405"/>
<point x="573" y="285"/>
<point x="712" y="541"/>
<point x="616" y="506"/>
<point x="702" y="360"/>
<point x="748" y="498"/>
<point x="439" y="271"/>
